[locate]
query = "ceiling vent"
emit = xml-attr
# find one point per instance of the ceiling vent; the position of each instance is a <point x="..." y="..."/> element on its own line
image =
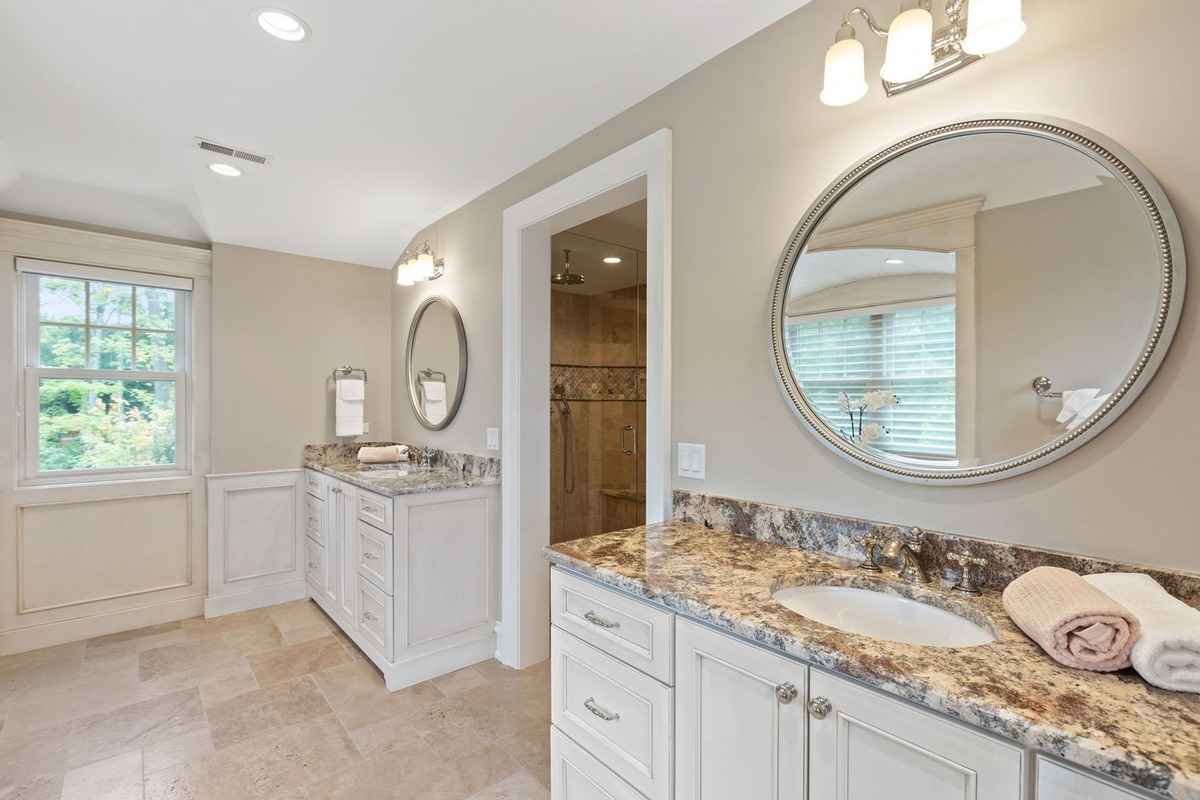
<point x="232" y="152"/>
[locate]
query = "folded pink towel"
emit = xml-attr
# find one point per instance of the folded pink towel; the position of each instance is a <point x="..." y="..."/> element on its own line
<point x="1076" y="623"/>
<point x="383" y="455"/>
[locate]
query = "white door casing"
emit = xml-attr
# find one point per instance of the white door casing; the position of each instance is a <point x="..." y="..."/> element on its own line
<point x="643" y="169"/>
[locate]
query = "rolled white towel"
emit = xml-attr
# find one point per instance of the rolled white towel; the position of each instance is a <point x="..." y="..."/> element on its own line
<point x="1168" y="654"/>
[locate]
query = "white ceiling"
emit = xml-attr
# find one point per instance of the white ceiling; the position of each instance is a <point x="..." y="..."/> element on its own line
<point x="825" y="269"/>
<point x="393" y="114"/>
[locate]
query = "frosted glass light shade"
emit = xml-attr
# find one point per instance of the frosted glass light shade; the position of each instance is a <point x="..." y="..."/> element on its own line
<point x="404" y="276"/>
<point x="992" y="25"/>
<point x="424" y="267"/>
<point x="845" y="73"/>
<point x="909" y="47"/>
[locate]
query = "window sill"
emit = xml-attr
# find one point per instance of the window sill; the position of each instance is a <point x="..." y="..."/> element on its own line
<point x="110" y="479"/>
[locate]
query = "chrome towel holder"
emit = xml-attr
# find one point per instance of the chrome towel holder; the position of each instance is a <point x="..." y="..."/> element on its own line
<point x="1041" y="387"/>
<point x="346" y="371"/>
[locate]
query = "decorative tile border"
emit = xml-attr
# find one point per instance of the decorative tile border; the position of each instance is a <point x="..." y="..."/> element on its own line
<point x="332" y="453"/>
<point x="842" y="536"/>
<point x="579" y="382"/>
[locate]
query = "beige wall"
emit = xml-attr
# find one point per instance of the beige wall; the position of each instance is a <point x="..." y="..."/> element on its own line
<point x="752" y="148"/>
<point x="1047" y="276"/>
<point x="281" y="323"/>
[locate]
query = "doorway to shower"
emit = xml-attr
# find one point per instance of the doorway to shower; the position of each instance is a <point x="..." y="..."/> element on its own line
<point x="598" y="375"/>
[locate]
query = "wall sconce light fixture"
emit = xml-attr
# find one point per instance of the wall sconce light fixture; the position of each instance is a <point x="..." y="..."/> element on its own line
<point x="419" y="265"/>
<point x="917" y="54"/>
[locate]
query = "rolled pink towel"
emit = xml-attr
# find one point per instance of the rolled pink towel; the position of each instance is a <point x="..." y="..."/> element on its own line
<point x="383" y="455"/>
<point x="1076" y="623"/>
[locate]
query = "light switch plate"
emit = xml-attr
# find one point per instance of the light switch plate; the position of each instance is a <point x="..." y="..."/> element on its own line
<point x="493" y="438"/>
<point x="690" y="458"/>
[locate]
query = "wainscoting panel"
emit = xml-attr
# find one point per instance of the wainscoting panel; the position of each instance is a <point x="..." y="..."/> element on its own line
<point x="75" y="552"/>
<point x="254" y="540"/>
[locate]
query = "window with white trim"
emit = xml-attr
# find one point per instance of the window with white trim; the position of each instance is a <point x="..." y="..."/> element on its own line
<point x="105" y="381"/>
<point x="908" y="350"/>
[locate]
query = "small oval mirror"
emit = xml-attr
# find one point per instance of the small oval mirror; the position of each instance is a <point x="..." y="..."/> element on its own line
<point x="436" y="359"/>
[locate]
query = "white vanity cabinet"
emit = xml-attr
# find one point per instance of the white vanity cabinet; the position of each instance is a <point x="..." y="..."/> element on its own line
<point x="646" y="705"/>
<point x="863" y="745"/>
<point x="413" y="580"/>
<point x="740" y="717"/>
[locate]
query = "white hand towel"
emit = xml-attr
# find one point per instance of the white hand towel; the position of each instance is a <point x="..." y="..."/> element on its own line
<point x="1168" y="654"/>
<point x="353" y="389"/>
<point x="434" y="390"/>
<point x="349" y="407"/>
<point x="1089" y="408"/>
<point x="1073" y="401"/>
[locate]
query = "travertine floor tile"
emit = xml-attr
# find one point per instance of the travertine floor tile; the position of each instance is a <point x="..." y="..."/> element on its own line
<point x="460" y="681"/>
<point x="177" y="750"/>
<point x="520" y="786"/>
<point x="222" y="689"/>
<point x="136" y="725"/>
<point x="116" y="778"/>
<point x="295" y="660"/>
<point x="253" y="713"/>
<point x="358" y="695"/>
<point x="86" y="694"/>
<point x="31" y="766"/>
<point x="298" y="614"/>
<point x="191" y="657"/>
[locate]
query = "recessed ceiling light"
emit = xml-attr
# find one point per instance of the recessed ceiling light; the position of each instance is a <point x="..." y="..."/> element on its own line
<point x="282" y="24"/>
<point x="611" y="260"/>
<point x="894" y="261"/>
<point x="225" y="170"/>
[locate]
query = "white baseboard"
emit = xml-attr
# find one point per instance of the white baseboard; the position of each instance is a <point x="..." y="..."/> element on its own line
<point x="73" y="630"/>
<point x="255" y="598"/>
<point x="406" y="673"/>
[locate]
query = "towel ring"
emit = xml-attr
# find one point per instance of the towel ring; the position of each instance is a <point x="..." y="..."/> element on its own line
<point x="1041" y="387"/>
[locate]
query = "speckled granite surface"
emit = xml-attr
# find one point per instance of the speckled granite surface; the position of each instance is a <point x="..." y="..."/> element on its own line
<point x="430" y="470"/>
<point x="1115" y="723"/>
<point x="842" y="536"/>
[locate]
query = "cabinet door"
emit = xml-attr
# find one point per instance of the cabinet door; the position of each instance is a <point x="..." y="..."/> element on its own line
<point x="347" y="556"/>
<point x="1059" y="782"/>
<point x="864" y="745"/>
<point x="576" y="774"/>
<point x="331" y="537"/>
<point x="740" y="714"/>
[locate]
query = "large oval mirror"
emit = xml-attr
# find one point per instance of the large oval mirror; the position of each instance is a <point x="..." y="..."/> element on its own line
<point x="436" y="362"/>
<point x="977" y="300"/>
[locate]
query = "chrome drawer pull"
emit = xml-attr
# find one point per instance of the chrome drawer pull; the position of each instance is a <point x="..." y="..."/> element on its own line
<point x="607" y="716"/>
<point x="311" y="565"/>
<point x="370" y="556"/>
<point x="369" y="616"/>
<point x="786" y="692"/>
<point x="600" y="621"/>
<point x="819" y="707"/>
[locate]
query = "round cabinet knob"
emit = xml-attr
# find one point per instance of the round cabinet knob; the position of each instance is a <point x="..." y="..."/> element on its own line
<point x="786" y="692"/>
<point x="819" y="707"/>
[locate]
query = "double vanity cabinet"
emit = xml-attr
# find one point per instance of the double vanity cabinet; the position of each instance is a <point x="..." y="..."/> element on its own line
<point x="647" y="705"/>
<point x="410" y="578"/>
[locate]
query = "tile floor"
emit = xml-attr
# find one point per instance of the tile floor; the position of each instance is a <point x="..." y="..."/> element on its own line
<point x="274" y="704"/>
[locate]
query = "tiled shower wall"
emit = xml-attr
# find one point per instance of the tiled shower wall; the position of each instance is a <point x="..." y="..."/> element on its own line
<point x="590" y="336"/>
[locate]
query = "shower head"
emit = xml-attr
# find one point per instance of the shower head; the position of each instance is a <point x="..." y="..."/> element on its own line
<point x="566" y="277"/>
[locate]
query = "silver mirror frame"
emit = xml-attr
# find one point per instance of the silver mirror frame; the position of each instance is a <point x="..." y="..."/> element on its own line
<point x="409" y="372"/>
<point x="1173" y="276"/>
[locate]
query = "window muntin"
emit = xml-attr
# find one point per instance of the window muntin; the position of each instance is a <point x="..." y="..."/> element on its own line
<point x="105" y="377"/>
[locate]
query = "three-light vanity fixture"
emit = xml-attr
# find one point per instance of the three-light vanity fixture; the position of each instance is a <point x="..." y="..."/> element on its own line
<point x="917" y="54"/>
<point x="419" y="265"/>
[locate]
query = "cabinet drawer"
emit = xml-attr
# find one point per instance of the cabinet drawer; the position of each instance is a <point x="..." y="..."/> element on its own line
<point x="375" y="617"/>
<point x="620" y="715"/>
<point x="316" y="565"/>
<point x="373" y="550"/>
<point x="575" y="774"/>
<point x="375" y="509"/>
<point x="315" y="484"/>
<point x="314" y="517"/>
<point x="1059" y="782"/>
<point x="635" y="632"/>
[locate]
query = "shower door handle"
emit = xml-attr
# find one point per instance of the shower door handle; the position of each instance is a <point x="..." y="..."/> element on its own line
<point x="628" y="450"/>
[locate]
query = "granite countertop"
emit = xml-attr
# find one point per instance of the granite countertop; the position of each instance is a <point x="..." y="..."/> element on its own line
<point x="402" y="478"/>
<point x="1116" y="724"/>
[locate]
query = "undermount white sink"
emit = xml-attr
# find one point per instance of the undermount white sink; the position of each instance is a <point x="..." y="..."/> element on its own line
<point x="883" y="616"/>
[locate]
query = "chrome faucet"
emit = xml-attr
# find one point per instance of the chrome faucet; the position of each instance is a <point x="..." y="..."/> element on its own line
<point x="908" y="550"/>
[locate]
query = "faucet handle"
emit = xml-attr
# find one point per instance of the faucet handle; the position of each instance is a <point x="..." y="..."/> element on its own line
<point x="872" y="544"/>
<point x="968" y="579"/>
<point x="914" y="538"/>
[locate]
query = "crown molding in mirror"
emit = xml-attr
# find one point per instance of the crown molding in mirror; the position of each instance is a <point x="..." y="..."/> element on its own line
<point x="1173" y="274"/>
